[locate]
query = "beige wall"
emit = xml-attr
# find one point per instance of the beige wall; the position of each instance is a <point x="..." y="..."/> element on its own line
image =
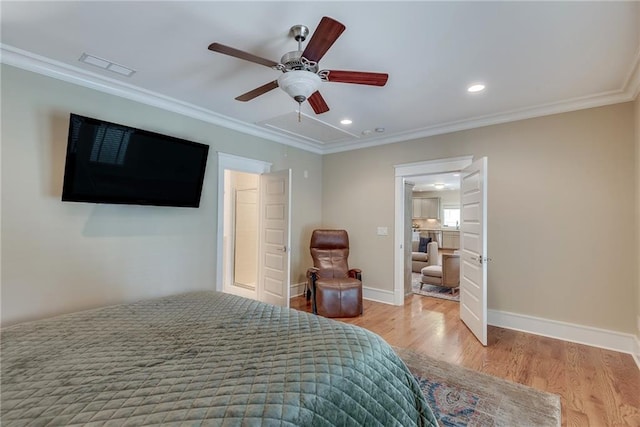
<point x="61" y="257"/>
<point x="554" y="184"/>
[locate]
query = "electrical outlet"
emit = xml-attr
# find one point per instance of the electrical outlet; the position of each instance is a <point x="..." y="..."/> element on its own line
<point x="383" y="231"/>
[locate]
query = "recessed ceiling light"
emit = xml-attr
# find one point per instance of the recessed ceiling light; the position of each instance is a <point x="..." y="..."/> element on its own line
<point x="346" y="121"/>
<point x="456" y="174"/>
<point x="366" y="132"/>
<point x="478" y="87"/>
<point x="380" y="130"/>
<point x="438" y="186"/>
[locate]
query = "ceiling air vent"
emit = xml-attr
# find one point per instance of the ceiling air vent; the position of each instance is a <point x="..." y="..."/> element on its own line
<point x="106" y="65"/>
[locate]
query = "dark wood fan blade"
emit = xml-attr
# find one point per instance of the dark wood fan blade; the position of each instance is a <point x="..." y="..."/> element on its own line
<point x="325" y="35"/>
<point x="220" y="48"/>
<point x="318" y="103"/>
<point x="358" y="77"/>
<point x="257" y="91"/>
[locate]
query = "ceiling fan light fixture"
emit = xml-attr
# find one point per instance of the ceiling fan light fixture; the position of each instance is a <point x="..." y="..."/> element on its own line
<point x="299" y="84"/>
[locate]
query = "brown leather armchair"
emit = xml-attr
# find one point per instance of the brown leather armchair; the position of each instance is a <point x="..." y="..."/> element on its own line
<point x="334" y="288"/>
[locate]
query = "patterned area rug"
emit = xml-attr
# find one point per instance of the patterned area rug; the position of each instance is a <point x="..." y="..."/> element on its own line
<point x="462" y="397"/>
<point x="431" y="290"/>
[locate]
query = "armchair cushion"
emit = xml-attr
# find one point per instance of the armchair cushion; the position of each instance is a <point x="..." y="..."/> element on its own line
<point x="419" y="256"/>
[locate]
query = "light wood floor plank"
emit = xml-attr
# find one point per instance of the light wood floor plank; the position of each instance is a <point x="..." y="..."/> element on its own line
<point x="598" y="388"/>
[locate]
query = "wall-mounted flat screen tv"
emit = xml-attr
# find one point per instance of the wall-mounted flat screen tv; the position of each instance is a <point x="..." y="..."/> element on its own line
<point x="112" y="163"/>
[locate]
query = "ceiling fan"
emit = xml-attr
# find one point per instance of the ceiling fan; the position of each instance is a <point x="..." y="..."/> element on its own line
<point x="300" y="77"/>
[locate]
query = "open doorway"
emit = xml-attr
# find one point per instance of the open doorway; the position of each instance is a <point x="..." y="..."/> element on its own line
<point x="238" y="187"/>
<point x="240" y="249"/>
<point x="411" y="172"/>
<point x="473" y="237"/>
<point x="434" y="217"/>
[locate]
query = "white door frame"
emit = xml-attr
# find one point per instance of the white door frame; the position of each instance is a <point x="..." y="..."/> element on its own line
<point x="237" y="163"/>
<point x="404" y="172"/>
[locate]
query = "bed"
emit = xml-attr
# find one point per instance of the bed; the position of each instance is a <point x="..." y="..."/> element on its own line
<point x="203" y="358"/>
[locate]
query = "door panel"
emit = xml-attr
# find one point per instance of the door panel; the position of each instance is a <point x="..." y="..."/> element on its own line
<point x="473" y="248"/>
<point x="275" y="256"/>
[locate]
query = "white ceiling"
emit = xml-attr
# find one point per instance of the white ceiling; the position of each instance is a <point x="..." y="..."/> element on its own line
<point x="535" y="58"/>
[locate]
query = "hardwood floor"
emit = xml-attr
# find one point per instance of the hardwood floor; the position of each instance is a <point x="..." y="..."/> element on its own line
<point x="598" y="388"/>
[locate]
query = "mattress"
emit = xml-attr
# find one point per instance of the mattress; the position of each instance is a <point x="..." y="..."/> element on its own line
<point x="203" y="358"/>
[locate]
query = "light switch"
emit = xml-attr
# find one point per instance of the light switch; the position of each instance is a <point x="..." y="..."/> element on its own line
<point x="383" y="231"/>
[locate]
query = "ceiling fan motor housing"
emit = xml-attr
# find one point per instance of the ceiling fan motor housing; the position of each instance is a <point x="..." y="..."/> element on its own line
<point x="295" y="61"/>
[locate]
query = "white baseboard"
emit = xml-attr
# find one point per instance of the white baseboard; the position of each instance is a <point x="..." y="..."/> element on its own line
<point x="595" y="337"/>
<point x="636" y="354"/>
<point x="587" y="335"/>
<point x="297" y="289"/>
<point x="377" y="295"/>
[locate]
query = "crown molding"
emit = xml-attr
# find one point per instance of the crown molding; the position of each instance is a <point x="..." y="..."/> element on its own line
<point x="581" y="103"/>
<point x="41" y="65"/>
<point x="632" y="82"/>
<point x="38" y="64"/>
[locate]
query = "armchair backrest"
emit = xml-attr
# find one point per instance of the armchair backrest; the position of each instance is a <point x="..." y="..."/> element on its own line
<point x="330" y="250"/>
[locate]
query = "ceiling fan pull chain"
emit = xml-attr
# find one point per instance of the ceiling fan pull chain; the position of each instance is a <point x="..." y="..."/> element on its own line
<point x="299" y="109"/>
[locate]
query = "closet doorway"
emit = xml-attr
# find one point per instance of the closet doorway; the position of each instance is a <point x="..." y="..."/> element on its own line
<point x="253" y="238"/>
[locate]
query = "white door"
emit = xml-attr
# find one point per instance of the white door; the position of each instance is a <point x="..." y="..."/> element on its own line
<point x="275" y="231"/>
<point x="473" y="248"/>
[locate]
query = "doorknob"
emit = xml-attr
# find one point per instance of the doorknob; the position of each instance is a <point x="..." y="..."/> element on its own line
<point x="282" y="249"/>
<point x="480" y="259"/>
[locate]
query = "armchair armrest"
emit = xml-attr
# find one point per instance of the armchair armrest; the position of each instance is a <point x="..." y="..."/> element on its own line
<point x="310" y="286"/>
<point x="356" y="273"/>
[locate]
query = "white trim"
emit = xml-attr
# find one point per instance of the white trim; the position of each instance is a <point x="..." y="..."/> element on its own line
<point x="632" y="82"/>
<point x="42" y="65"/>
<point x="378" y="295"/>
<point x="58" y="70"/>
<point x="575" y="104"/>
<point x="402" y="172"/>
<point x="587" y="335"/>
<point x="636" y="354"/>
<point x="432" y="166"/>
<point x="297" y="289"/>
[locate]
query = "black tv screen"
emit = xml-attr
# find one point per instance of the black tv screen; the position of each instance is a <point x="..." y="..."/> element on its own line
<point x="112" y="163"/>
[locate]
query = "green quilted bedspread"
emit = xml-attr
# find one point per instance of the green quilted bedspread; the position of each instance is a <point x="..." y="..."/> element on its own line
<point x="203" y="358"/>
